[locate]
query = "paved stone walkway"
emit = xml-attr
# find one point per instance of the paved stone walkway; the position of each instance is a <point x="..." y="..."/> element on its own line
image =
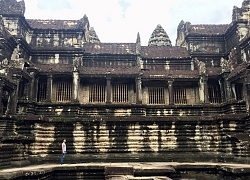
<point x="126" y="169"/>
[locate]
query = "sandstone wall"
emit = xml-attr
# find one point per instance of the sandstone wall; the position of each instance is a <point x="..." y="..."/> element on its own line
<point x="130" y="138"/>
<point x="125" y="138"/>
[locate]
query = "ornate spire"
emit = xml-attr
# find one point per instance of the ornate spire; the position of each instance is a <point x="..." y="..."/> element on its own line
<point x="12" y="7"/>
<point x="138" y="39"/>
<point x="159" y="37"/>
<point x="93" y="38"/>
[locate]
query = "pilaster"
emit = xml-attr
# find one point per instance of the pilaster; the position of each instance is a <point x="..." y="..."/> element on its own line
<point x="221" y="83"/>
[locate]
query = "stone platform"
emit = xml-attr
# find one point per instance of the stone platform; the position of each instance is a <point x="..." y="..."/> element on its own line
<point x="131" y="171"/>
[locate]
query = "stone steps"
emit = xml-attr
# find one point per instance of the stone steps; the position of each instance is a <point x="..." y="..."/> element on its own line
<point x="6" y="155"/>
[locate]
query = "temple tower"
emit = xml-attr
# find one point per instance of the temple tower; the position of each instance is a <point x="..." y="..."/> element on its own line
<point x="159" y="37"/>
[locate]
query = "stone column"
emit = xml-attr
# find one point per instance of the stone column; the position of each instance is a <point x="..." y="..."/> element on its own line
<point x="221" y="83"/>
<point x="35" y="89"/>
<point x="108" y="85"/>
<point x="31" y="86"/>
<point x="138" y="90"/>
<point x="75" y="86"/>
<point x="1" y="96"/>
<point x="49" y="87"/>
<point x="203" y="90"/>
<point x="171" y="92"/>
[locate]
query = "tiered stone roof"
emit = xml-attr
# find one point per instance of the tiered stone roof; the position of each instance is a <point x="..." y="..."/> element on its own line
<point x="53" y="24"/>
<point x="110" y="48"/>
<point x="156" y="52"/>
<point x="56" y="68"/>
<point x="164" y="52"/>
<point x="209" y="29"/>
<point x="203" y="29"/>
<point x="163" y="74"/>
<point x="128" y="70"/>
<point x="56" y="24"/>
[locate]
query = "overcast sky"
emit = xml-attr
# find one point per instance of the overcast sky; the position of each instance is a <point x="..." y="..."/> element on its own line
<point x="121" y="20"/>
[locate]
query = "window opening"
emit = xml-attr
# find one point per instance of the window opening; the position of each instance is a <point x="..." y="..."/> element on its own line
<point x="120" y="93"/>
<point x="63" y="91"/>
<point x="156" y="95"/>
<point x="97" y="93"/>
<point x="180" y="95"/>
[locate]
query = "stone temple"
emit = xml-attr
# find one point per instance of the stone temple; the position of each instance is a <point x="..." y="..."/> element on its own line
<point x="123" y="102"/>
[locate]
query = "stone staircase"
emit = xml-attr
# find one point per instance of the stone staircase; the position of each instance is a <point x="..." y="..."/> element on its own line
<point x="6" y="148"/>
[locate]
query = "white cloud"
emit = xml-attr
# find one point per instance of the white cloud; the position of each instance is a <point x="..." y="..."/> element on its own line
<point x="120" y="20"/>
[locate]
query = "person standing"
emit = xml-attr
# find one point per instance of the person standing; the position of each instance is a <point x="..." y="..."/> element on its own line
<point x="63" y="151"/>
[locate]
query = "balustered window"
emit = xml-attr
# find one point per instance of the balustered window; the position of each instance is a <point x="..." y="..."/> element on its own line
<point x="120" y="93"/>
<point x="97" y="93"/>
<point x="214" y="93"/>
<point x="63" y="91"/>
<point x="42" y="89"/>
<point x="180" y="95"/>
<point x="156" y="95"/>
